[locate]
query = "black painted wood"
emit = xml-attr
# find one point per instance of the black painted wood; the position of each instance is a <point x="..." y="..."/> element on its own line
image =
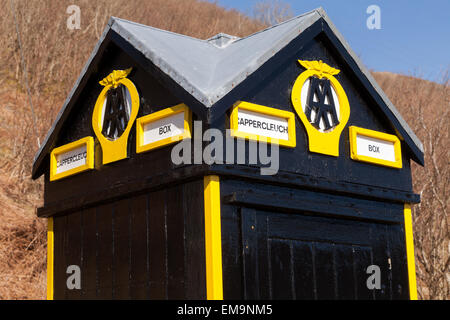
<point x="270" y="85"/>
<point x="194" y="241"/>
<point x="121" y="249"/>
<point x="175" y="243"/>
<point x="140" y="254"/>
<point x="295" y="254"/>
<point x="89" y="262"/>
<point x="136" y="226"/>
<point x="105" y="253"/>
<point x="150" y="246"/>
<point x="60" y="265"/>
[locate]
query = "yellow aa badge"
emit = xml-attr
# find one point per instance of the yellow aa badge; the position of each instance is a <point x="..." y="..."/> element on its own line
<point x="114" y="113"/>
<point x="322" y="105"/>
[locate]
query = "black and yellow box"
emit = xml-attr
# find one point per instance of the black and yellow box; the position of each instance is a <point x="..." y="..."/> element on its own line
<point x="267" y="167"/>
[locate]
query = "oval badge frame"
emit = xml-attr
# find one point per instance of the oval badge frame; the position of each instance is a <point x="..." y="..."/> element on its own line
<point x="114" y="150"/>
<point x="321" y="142"/>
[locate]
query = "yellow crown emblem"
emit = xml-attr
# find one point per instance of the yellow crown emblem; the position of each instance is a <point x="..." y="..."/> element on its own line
<point x="114" y="78"/>
<point x="320" y="67"/>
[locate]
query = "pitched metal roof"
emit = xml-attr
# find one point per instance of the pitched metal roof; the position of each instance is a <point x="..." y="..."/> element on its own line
<point x="210" y="69"/>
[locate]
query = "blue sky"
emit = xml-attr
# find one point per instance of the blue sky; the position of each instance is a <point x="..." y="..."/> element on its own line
<point x="414" y="38"/>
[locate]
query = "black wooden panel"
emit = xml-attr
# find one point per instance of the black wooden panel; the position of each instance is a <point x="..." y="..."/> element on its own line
<point x="324" y="266"/>
<point x="73" y="248"/>
<point x="121" y="249"/>
<point x="400" y="287"/>
<point x="232" y="252"/>
<point x="139" y="263"/>
<point x="250" y="260"/>
<point x="195" y="269"/>
<point x="150" y="246"/>
<point x="304" y="280"/>
<point x="89" y="264"/>
<point x="157" y="245"/>
<point x="343" y="263"/>
<point x="60" y="265"/>
<point x="314" y="257"/>
<point x="382" y="258"/>
<point x="262" y="244"/>
<point x="175" y="243"/>
<point x="362" y="258"/>
<point x="105" y="247"/>
<point x="281" y="267"/>
<point x="290" y="199"/>
<point x="318" y="229"/>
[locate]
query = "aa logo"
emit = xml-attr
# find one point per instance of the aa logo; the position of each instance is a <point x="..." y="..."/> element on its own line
<point x="114" y="113"/>
<point x="320" y="102"/>
<point x="322" y="105"/>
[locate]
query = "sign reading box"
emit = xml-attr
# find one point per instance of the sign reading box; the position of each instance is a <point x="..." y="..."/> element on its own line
<point x="375" y="147"/>
<point x="72" y="158"/>
<point x="163" y="127"/>
<point x="261" y="123"/>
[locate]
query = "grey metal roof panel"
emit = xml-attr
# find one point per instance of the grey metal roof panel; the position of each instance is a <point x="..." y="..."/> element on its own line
<point x="244" y="56"/>
<point x="210" y="69"/>
<point x="201" y="67"/>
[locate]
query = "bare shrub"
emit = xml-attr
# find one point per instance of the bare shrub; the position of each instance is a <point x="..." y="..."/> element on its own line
<point x="271" y="12"/>
<point x="425" y="106"/>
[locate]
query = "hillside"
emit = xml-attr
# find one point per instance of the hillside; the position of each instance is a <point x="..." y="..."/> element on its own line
<point x="55" y="55"/>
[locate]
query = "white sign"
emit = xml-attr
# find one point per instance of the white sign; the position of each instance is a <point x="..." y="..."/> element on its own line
<point x="375" y="147"/>
<point x="164" y="128"/>
<point x="71" y="159"/>
<point x="263" y="125"/>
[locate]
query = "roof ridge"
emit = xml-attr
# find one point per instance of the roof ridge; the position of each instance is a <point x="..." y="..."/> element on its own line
<point x="156" y="29"/>
<point x="211" y="72"/>
<point x="281" y="23"/>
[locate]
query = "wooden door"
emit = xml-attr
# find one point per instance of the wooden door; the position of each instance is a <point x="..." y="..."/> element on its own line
<point x="299" y="256"/>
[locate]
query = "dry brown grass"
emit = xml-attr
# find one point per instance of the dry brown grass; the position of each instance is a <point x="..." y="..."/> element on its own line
<point x="55" y="55"/>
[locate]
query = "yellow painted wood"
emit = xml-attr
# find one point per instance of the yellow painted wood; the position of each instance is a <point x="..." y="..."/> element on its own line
<point x="50" y="258"/>
<point x="410" y="253"/>
<point x="213" y="238"/>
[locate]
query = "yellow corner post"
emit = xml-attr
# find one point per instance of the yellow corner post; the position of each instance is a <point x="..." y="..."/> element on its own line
<point x="50" y="243"/>
<point x="213" y="238"/>
<point x="410" y="252"/>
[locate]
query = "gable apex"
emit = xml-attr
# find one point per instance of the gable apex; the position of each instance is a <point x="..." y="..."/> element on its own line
<point x="210" y="69"/>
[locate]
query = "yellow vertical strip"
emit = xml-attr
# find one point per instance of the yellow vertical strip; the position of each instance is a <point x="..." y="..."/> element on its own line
<point x="50" y="244"/>
<point x="213" y="238"/>
<point x="410" y="252"/>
